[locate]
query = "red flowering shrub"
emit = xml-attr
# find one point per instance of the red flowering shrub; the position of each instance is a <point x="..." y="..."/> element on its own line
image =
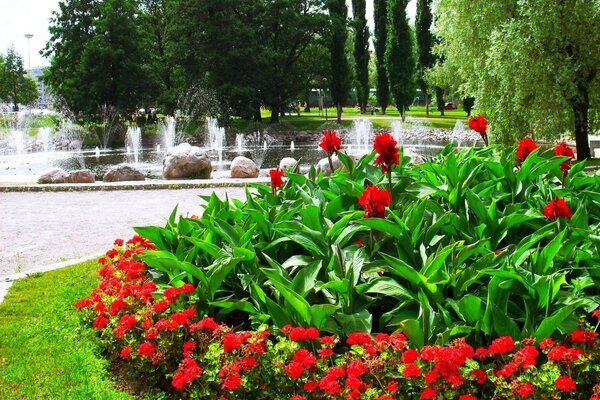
<point x="525" y="147"/>
<point x="374" y="200"/>
<point x="387" y="151"/>
<point x="557" y="208"/>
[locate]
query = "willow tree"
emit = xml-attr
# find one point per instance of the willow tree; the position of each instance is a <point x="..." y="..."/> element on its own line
<point x="380" y="41"/>
<point x="529" y="63"/>
<point x="361" y="52"/>
<point x="400" y="57"/>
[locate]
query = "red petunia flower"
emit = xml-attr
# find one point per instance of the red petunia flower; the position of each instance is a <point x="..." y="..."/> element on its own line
<point x="478" y="123"/>
<point x="276" y="180"/>
<point x="557" y="208"/>
<point x="563" y="149"/>
<point x="387" y="151"/>
<point x="565" y="383"/>
<point x="374" y="200"/>
<point x="330" y="142"/>
<point x="526" y="146"/>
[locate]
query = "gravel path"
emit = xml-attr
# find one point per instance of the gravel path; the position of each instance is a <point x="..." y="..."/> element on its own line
<point x="37" y="229"/>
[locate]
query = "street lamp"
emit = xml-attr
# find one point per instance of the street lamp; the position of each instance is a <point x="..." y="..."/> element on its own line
<point x="29" y="36"/>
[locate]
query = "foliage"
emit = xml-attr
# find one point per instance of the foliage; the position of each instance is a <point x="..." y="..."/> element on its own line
<point x="425" y="57"/>
<point x="156" y="333"/>
<point x="380" y="40"/>
<point x="44" y="351"/>
<point x="339" y="80"/>
<point x="15" y="86"/>
<point x="361" y="52"/>
<point x="400" y="59"/>
<point x="487" y="44"/>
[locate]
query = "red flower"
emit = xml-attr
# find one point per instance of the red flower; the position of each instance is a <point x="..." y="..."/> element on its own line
<point x="410" y="356"/>
<point x="231" y="341"/>
<point x="297" y="397"/>
<point x="557" y="208"/>
<point x="387" y="151"/>
<point x="525" y="390"/>
<point x="479" y="375"/>
<point x="467" y="397"/>
<point x="501" y="345"/>
<point x="294" y="369"/>
<point x="565" y="383"/>
<point x="188" y="371"/>
<point x="276" y="180"/>
<point x="330" y="142"/>
<point x="358" y="338"/>
<point x="297" y="334"/>
<point x="411" y="371"/>
<point x="146" y="349"/>
<point x="583" y="336"/>
<point x="231" y="382"/>
<point x="596" y="313"/>
<point x="374" y="200"/>
<point x="478" y="123"/>
<point x="526" y="146"/>
<point x="125" y="352"/>
<point x="312" y="332"/>
<point x="563" y="149"/>
<point x="428" y="393"/>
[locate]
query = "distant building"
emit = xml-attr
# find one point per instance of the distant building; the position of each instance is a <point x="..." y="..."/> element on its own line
<point x="43" y="100"/>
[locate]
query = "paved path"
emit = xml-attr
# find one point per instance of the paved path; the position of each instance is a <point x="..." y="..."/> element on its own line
<point x="38" y="229"/>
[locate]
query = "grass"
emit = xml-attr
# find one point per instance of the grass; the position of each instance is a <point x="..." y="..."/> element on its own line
<point x="45" y="353"/>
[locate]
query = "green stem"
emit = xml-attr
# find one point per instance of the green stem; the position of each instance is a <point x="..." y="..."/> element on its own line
<point x="390" y="189"/>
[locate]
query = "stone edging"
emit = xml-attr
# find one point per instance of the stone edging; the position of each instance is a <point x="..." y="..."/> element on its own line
<point x="142" y="185"/>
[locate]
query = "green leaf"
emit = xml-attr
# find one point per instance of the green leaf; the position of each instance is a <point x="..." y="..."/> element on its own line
<point x="552" y="323"/>
<point x="357" y="322"/>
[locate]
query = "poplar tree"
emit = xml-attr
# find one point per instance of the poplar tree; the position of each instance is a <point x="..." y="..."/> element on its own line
<point x="400" y="57"/>
<point x="425" y="58"/>
<point x="340" y="68"/>
<point x="381" y="26"/>
<point x="361" y="52"/>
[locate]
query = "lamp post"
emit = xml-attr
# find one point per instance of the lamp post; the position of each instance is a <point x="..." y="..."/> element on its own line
<point x="28" y="36"/>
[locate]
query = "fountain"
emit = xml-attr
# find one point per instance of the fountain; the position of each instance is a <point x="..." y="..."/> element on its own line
<point x="399" y="132"/>
<point x="16" y="140"/>
<point x="458" y="133"/>
<point x="134" y="142"/>
<point x="158" y="148"/>
<point x="360" y="136"/>
<point x="215" y="137"/>
<point x="44" y="136"/>
<point x="292" y="147"/>
<point x="97" y="152"/>
<point x="168" y="133"/>
<point x="239" y="140"/>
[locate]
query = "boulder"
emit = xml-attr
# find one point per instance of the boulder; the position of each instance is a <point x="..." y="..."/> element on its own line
<point x="415" y="158"/>
<point x="323" y="165"/>
<point x="123" y="172"/>
<point x="53" y="175"/>
<point x="81" y="176"/>
<point x="243" y="167"/>
<point x="186" y="161"/>
<point x="287" y="163"/>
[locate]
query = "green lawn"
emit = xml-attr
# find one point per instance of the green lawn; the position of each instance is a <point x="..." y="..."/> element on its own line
<point x="44" y="351"/>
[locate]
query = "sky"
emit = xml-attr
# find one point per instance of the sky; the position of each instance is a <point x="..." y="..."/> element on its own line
<point x="21" y="17"/>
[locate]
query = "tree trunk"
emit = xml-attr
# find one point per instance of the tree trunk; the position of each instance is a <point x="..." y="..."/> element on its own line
<point x="426" y="103"/>
<point x="439" y="94"/>
<point x="307" y="106"/>
<point x="403" y="113"/>
<point x="257" y="116"/>
<point x="339" y="113"/>
<point x="580" y="105"/>
<point x="275" y="113"/>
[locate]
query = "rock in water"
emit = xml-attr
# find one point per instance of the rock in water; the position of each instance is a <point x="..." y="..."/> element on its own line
<point x="186" y="161"/>
<point x="81" y="176"/>
<point x="415" y="158"/>
<point x="53" y="175"/>
<point x="323" y="165"/>
<point x="287" y="163"/>
<point x="243" y="167"/>
<point x="122" y="173"/>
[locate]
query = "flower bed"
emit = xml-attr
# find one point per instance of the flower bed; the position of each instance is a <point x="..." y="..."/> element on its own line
<point x="470" y="266"/>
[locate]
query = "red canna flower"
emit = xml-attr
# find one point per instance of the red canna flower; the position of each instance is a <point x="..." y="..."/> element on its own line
<point x="374" y="200"/>
<point x="557" y="208"/>
<point x="276" y="180"/>
<point x="526" y="146"/>
<point x="565" y="383"/>
<point x="563" y="149"/>
<point x="387" y="151"/>
<point x="330" y="142"/>
<point x="478" y="123"/>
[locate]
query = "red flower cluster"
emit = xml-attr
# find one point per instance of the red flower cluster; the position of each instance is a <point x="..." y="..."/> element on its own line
<point x="330" y="142"/>
<point x="478" y="123"/>
<point x="557" y="208"/>
<point x="563" y="149"/>
<point x="374" y="200"/>
<point x="276" y="180"/>
<point x="387" y="151"/>
<point x="525" y="147"/>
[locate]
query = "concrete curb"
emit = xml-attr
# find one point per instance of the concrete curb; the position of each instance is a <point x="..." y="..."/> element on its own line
<point x="6" y="281"/>
<point x="141" y="185"/>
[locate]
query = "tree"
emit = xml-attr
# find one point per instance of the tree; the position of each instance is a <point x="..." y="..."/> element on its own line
<point x="381" y="27"/>
<point x="361" y="52"/>
<point x="400" y="57"/>
<point x="425" y="58"/>
<point x="528" y="62"/>
<point x="15" y="86"/>
<point x="339" y="82"/>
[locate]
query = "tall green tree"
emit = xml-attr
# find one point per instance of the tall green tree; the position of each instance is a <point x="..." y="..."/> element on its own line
<point x="425" y="57"/>
<point x="400" y="58"/>
<point x="526" y="62"/>
<point x="381" y="28"/>
<point x="339" y="80"/>
<point x="15" y="86"/>
<point x="361" y="52"/>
